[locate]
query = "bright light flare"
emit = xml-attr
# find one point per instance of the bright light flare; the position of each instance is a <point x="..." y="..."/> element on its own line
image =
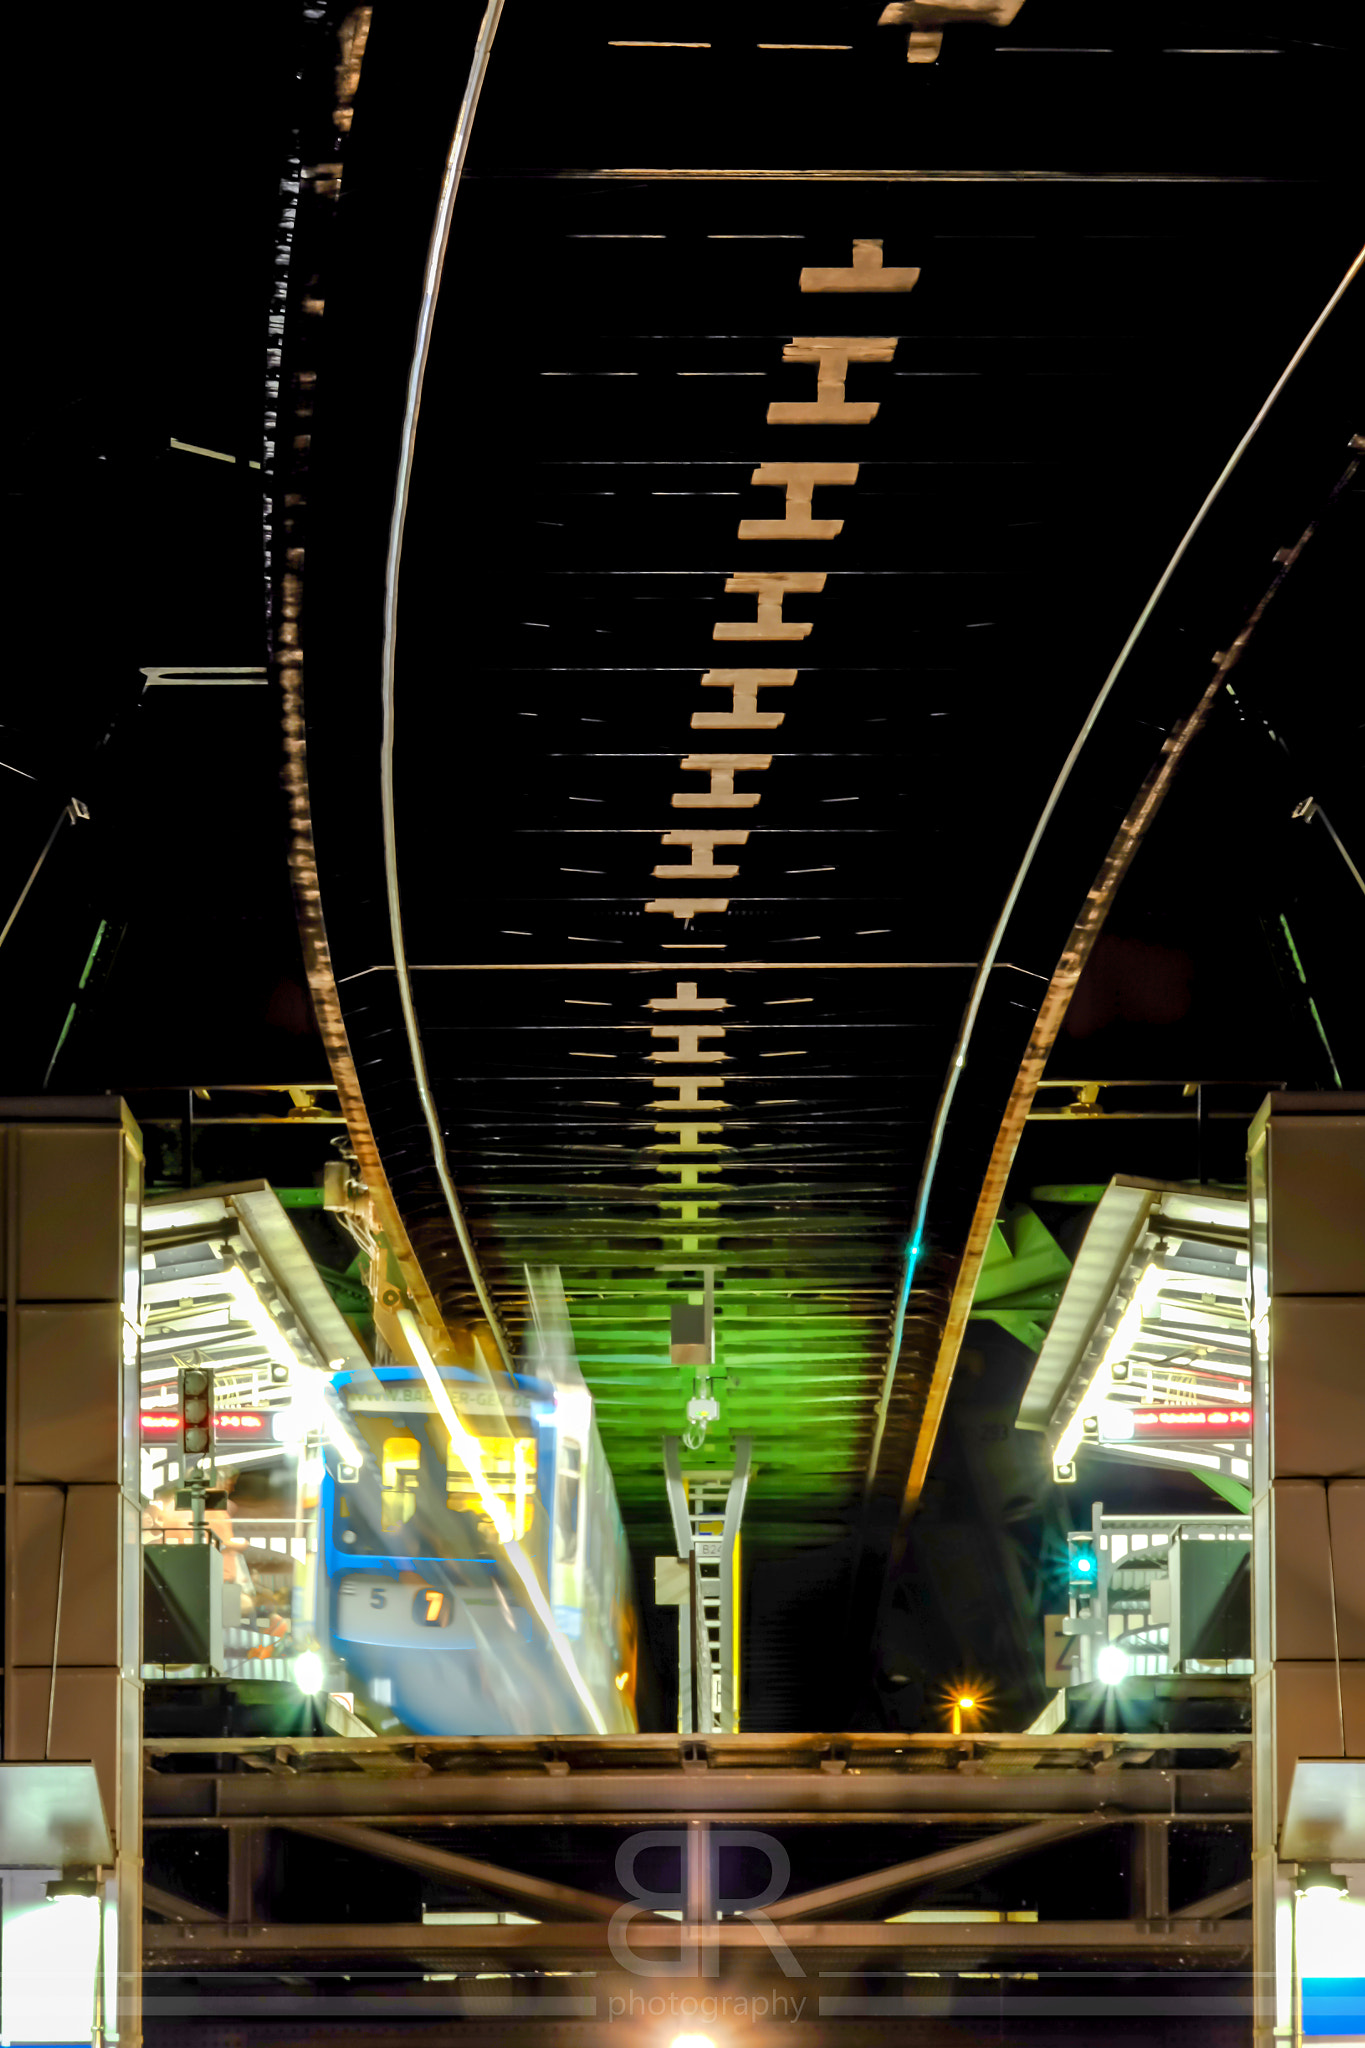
<point x="310" y="1673"/>
<point x="309" y="1411"/>
<point x="51" y="1963"/>
<point x="1112" y="1665"/>
<point x="693" y="2041"/>
<point x="966" y="1699"/>
<point x="1331" y="1934"/>
<point x="291" y="1423"/>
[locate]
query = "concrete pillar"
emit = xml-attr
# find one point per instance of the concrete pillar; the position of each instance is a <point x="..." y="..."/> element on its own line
<point x="72" y="1574"/>
<point x="1307" y="1187"/>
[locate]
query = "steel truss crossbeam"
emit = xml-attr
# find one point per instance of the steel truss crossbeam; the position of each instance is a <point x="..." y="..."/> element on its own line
<point x="1015" y="1797"/>
<point x="1218" y="1905"/>
<point x="170" y="1906"/>
<point x="538" y="1892"/>
<point x="987" y="1853"/>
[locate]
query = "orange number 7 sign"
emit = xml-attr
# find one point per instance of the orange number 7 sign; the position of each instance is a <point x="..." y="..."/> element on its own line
<point x="430" y="1608"/>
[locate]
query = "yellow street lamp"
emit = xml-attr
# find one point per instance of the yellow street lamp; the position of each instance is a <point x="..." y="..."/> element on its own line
<point x="965" y="1700"/>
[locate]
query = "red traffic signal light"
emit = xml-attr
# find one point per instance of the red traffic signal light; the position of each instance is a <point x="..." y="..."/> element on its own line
<point x="230" y="1425"/>
<point x="196" y="1411"/>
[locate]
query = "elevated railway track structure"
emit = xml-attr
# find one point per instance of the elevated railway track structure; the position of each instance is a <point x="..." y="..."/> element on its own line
<point x="670" y="682"/>
<point x="715" y="482"/>
<point x="548" y="1882"/>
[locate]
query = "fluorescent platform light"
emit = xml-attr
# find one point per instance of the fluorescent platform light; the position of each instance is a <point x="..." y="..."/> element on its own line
<point x="1127" y="1333"/>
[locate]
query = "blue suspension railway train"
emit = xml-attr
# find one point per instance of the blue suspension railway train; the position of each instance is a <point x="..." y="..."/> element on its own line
<point x="454" y="1623"/>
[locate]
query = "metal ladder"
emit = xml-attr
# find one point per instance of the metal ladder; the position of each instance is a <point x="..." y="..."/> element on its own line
<point x="706" y="1500"/>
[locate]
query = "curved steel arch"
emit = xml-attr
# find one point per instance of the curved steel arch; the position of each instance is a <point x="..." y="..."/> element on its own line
<point x="431" y="285"/>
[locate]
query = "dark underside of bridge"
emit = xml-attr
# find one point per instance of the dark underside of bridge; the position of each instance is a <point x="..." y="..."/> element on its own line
<point x="711" y="771"/>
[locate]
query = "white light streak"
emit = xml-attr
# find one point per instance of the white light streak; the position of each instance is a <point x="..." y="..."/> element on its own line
<point x="468" y="1447"/>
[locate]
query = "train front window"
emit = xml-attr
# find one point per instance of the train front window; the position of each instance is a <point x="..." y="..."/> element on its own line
<point x="401" y="1464"/>
<point x="509" y="1471"/>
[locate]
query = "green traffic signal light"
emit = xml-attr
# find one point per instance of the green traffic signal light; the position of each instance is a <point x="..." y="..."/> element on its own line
<point x="1082" y="1567"/>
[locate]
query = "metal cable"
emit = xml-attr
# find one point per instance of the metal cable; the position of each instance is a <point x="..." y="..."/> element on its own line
<point x="431" y="285"/>
<point x="19" y="902"/>
<point x="1315" y="810"/>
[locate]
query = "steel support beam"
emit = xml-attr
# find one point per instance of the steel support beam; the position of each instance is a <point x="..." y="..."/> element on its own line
<point x="753" y="1752"/>
<point x="483" y="2015"/>
<point x="677" y="1497"/>
<point x="699" y="1875"/>
<point x="563" y="1899"/>
<point x="823" y="1944"/>
<point x="729" y="1647"/>
<point x="984" y="1854"/>
<point x="650" y="1797"/>
<point x="1150" y="1889"/>
<point x="248" y="1876"/>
